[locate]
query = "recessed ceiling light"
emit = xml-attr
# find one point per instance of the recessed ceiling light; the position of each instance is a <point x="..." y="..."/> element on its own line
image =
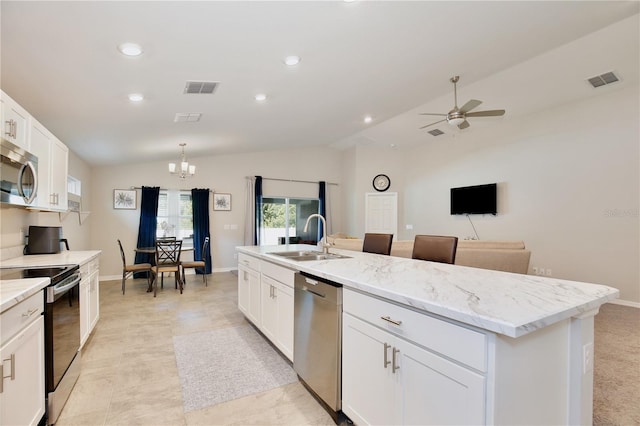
<point x="368" y="119"/>
<point x="260" y="97"/>
<point x="130" y="49"/>
<point x="136" y="97"/>
<point x="292" y="60"/>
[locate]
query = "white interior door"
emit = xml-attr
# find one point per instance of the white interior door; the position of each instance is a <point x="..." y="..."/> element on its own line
<point x="381" y="213"/>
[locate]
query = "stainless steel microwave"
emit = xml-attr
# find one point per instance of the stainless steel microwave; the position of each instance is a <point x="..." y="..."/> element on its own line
<point x="18" y="175"/>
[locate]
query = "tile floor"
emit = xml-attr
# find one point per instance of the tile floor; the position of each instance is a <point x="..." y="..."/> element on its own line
<point x="129" y="374"/>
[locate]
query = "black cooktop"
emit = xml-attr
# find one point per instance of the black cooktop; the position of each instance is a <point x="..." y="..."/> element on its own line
<point x="55" y="273"/>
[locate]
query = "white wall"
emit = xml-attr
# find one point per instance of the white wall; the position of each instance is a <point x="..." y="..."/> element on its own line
<point x="220" y="173"/>
<point x="568" y="185"/>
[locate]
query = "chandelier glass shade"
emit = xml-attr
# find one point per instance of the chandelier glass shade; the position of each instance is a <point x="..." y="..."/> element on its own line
<point x="186" y="170"/>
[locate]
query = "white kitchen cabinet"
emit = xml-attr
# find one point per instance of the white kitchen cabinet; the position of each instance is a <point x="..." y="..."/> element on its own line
<point x="53" y="164"/>
<point x="15" y="122"/>
<point x="89" y="298"/>
<point x="277" y="314"/>
<point x="390" y="379"/>
<point x="249" y="288"/>
<point x="265" y="296"/>
<point x="22" y="394"/>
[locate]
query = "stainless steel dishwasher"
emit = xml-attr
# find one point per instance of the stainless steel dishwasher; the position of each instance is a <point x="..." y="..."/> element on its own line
<point x="317" y="353"/>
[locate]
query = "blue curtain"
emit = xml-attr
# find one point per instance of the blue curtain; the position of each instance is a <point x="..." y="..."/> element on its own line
<point x="258" y="192"/>
<point x="148" y="225"/>
<point x="200" y="207"/>
<point x="322" y="196"/>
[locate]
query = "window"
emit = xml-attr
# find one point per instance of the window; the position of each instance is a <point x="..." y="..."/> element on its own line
<point x="175" y="216"/>
<point x="283" y="220"/>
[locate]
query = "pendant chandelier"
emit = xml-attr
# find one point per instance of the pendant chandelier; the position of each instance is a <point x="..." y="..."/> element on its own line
<point x="186" y="169"/>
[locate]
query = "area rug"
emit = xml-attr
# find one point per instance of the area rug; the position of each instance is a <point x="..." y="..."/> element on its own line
<point x="225" y="364"/>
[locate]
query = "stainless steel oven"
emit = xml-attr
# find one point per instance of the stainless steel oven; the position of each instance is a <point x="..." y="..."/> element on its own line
<point x="18" y="175"/>
<point x="62" y="341"/>
<point x="61" y="331"/>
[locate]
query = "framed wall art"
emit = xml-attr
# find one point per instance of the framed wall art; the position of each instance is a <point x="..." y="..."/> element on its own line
<point x="221" y="201"/>
<point x="124" y="199"/>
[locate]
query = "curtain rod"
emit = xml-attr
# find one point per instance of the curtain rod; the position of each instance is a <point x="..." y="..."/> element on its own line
<point x="165" y="189"/>
<point x="292" y="180"/>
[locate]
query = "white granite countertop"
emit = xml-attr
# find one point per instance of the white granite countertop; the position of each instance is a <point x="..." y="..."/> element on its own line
<point x="15" y="291"/>
<point x="63" y="258"/>
<point x="502" y="302"/>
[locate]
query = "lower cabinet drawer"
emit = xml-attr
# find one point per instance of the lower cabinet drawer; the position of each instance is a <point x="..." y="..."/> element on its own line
<point x="20" y="315"/>
<point x="249" y="261"/>
<point x="464" y="345"/>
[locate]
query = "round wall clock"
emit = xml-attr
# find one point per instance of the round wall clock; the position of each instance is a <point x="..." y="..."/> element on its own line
<point x="381" y="183"/>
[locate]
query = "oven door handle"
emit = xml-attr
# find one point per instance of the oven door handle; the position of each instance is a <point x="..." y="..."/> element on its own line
<point x="62" y="287"/>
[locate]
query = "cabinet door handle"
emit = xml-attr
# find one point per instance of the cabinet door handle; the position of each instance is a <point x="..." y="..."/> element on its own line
<point x="394" y="366"/>
<point x="386" y="358"/>
<point x="10" y="133"/>
<point x="12" y="375"/>
<point x="392" y="321"/>
<point x="15" y="129"/>
<point x="29" y="312"/>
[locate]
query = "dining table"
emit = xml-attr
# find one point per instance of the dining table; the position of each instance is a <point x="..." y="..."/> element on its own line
<point x="151" y="250"/>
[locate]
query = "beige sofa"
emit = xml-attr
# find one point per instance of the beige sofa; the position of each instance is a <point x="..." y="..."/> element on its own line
<point x="509" y="256"/>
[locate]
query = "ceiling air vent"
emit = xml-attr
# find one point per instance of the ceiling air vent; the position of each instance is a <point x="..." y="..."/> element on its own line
<point x="603" y="79"/>
<point x="200" y="87"/>
<point x="436" y="132"/>
<point x="187" y="117"/>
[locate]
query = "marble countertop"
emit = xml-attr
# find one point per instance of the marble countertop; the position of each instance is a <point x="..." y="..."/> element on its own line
<point x="502" y="302"/>
<point x="13" y="292"/>
<point x="63" y="258"/>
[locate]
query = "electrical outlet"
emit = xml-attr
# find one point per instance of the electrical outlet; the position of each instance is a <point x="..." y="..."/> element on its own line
<point x="408" y="227"/>
<point x="548" y="272"/>
<point x="542" y="271"/>
<point x="587" y="358"/>
<point x="535" y="270"/>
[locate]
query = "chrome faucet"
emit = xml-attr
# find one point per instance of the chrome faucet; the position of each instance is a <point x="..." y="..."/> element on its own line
<point x="324" y="244"/>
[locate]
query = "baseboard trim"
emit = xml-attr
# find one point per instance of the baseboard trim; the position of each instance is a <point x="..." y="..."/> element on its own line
<point x="625" y="303"/>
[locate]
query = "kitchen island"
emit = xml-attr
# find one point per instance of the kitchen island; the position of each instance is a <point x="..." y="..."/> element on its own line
<point x="514" y="349"/>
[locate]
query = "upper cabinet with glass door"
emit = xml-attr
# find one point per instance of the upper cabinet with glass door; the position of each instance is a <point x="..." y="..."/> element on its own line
<point x="15" y="122"/>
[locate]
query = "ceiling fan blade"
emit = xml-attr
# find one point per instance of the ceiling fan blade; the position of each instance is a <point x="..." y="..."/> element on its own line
<point x="429" y="113"/>
<point x="490" y="113"/>
<point x="463" y="125"/>
<point x="432" y="124"/>
<point x="473" y="103"/>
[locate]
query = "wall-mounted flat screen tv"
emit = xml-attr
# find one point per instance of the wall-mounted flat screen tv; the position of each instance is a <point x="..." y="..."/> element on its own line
<point x="478" y="199"/>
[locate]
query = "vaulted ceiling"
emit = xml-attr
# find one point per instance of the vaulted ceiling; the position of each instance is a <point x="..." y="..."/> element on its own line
<point x="60" y="61"/>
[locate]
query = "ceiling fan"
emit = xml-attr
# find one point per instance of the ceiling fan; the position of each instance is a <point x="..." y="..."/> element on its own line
<point x="458" y="116"/>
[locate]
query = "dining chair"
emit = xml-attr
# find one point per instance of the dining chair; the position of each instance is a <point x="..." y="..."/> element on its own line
<point x="377" y="243"/>
<point x="201" y="263"/>
<point x="167" y="258"/>
<point x="435" y="248"/>
<point x="129" y="270"/>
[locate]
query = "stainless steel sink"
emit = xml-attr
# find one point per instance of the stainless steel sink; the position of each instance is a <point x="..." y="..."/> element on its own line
<point x="309" y="255"/>
<point x="298" y="253"/>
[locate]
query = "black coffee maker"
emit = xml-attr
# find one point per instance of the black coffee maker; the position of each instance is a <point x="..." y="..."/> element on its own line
<point x="45" y="240"/>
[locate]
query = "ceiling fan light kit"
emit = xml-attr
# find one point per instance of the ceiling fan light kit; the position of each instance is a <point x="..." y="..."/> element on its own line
<point x="458" y="116"/>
